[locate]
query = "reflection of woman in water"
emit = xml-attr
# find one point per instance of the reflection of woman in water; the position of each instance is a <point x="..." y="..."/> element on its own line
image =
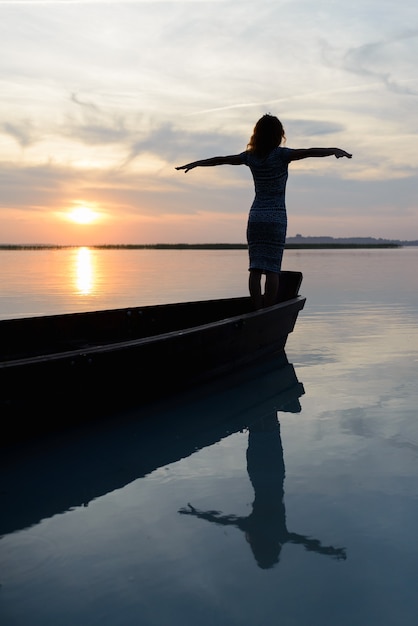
<point x="265" y="528"/>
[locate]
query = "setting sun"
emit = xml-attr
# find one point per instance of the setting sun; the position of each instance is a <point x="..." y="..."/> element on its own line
<point x="83" y="215"/>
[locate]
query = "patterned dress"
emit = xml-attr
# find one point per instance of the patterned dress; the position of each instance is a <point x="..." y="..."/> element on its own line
<point x="267" y="221"/>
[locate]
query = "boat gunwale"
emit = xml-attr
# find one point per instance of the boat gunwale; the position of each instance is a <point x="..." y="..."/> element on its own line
<point x="102" y="348"/>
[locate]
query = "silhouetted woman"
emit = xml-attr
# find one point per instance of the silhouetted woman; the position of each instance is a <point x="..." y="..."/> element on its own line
<point x="267" y="221"/>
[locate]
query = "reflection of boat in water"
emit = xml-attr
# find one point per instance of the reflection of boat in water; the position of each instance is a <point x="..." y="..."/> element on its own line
<point x="41" y="478"/>
<point x="85" y="363"/>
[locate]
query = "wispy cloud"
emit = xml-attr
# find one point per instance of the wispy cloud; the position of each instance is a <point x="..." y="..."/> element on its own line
<point x="21" y="131"/>
<point x="62" y="2"/>
<point x="390" y="61"/>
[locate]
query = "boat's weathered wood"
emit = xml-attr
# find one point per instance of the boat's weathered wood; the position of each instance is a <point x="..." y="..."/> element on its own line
<point x="73" y="365"/>
<point x="44" y="335"/>
<point x="77" y="331"/>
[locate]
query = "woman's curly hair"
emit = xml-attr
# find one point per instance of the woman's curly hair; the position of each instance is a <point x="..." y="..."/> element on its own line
<point x="268" y="133"/>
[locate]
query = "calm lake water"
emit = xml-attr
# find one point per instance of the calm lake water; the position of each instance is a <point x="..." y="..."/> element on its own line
<point x="286" y="495"/>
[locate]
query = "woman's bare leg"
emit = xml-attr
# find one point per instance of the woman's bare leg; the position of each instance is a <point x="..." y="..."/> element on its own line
<point x="254" y="285"/>
<point x="271" y="289"/>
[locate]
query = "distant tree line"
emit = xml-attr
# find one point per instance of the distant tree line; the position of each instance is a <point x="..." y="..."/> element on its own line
<point x="369" y="241"/>
<point x="291" y="243"/>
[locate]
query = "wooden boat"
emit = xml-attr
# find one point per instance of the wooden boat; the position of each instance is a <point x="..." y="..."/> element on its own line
<point x="73" y="365"/>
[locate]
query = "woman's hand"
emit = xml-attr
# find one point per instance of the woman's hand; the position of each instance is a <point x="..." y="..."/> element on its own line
<point x="186" y="168"/>
<point x="342" y="153"/>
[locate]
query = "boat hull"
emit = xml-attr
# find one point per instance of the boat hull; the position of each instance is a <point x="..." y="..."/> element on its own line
<point x="78" y="365"/>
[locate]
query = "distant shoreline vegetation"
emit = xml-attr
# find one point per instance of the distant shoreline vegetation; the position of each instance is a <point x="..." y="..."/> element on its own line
<point x="290" y="245"/>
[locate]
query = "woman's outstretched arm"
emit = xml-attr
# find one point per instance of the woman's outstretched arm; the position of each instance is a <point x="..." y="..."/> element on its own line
<point x="305" y="153"/>
<point x="232" y="159"/>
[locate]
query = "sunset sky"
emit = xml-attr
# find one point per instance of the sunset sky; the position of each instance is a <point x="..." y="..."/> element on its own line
<point x="101" y="100"/>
